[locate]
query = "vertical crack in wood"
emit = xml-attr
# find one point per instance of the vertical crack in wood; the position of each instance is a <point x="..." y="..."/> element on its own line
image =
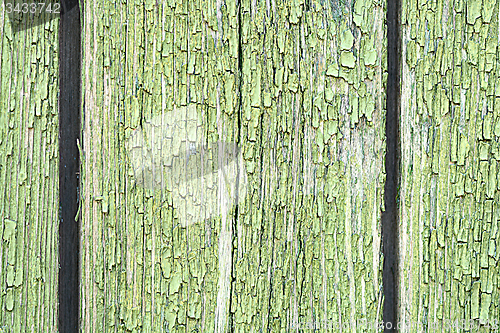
<point x="390" y="220"/>
<point x="234" y="240"/>
<point x="69" y="163"/>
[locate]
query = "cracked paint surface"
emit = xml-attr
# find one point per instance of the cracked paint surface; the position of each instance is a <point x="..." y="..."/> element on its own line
<point x="449" y="240"/>
<point x="299" y="87"/>
<point x="313" y="129"/>
<point x="29" y="177"/>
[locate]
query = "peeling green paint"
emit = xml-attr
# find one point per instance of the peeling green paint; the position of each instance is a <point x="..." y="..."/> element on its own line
<point x="29" y="177"/>
<point x="449" y="197"/>
<point x="347" y="59"/>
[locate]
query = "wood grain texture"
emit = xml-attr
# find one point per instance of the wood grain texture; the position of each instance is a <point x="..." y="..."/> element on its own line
<point x="308" y="237"/>
<point x="143" y="270"/>
<point x="450" y="139"/>
<point x="299" y="86"/>
<point x="29" y="177"/>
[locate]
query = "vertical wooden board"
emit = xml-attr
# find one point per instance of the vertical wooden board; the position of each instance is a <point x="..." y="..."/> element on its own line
<point x="29" y="177"/>
<point x="160" y="79"/>
<point x="294" y="238"/>
<point x="307" y="245"/>
<point x="450" y="138"/>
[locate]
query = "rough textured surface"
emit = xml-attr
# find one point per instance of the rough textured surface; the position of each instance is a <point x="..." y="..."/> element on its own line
<point x="307" y="246"/>
<point x="299" y="87"/>
<point x="450" y="151"/>
<point x="28" y="177"/>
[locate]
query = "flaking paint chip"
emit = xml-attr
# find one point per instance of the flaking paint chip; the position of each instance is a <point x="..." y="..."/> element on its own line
<point x="347" y="59"/>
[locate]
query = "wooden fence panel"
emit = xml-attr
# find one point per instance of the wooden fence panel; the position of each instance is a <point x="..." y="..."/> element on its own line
<point x="232" y="166"/>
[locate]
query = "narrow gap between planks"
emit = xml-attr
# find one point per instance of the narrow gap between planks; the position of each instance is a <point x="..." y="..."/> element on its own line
<point x="390" y="216"/>
<point x="69" y="166"/>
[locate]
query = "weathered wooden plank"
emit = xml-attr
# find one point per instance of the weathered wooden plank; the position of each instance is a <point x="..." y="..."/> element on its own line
<point x="449" y="198"/>
<point x="29" y="176"/>
<point x="148" y="266"/>
<point x="313" y="135"/>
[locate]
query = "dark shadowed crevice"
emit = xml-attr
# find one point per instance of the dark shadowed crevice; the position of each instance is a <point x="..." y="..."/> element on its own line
<point x="69" y="165"/>
<point x="390" y="216"/>
<point x="234" y="241"/>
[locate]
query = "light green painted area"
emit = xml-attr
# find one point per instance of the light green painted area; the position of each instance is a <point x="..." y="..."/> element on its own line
<point x="450" y="142"/>
<point x="29" y="178"/>
<point x="305" y="105"/>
